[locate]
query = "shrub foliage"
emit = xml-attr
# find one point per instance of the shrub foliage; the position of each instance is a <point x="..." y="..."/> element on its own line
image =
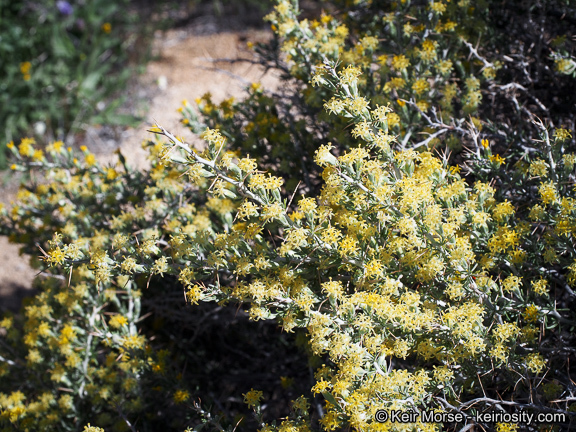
<point x="414" y="277"/>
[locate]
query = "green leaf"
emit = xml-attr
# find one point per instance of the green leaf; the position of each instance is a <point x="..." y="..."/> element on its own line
<point x="276" y="194"/>
<point x="115" y="119"/>
<point x="62" y="45"/>
<point x="330" y="398"/>
<point x="228" y="193"/>
<point x="90" y="82"/>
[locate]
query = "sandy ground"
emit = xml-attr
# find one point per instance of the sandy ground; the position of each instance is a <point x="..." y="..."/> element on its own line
<point x="185" y="69"/>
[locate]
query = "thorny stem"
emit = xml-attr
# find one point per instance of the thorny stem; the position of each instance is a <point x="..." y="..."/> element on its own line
<point x="546" y="142"/>
<point x="88" y="352"/>
<point x="474" y="52"/>
<point x="488" y="400"/>
<point x="242" y="189"/>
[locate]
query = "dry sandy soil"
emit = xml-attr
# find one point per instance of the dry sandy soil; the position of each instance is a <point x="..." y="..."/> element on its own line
<point x="184" y="69"/>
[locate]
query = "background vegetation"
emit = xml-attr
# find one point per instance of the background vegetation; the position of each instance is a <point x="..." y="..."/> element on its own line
<point x="62" y="63"/>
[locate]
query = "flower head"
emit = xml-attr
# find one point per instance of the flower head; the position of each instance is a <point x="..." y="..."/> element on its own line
<point x="252" y="398"/>
<point x="64" y="8"/>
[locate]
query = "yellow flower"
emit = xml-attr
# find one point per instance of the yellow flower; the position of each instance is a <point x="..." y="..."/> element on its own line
<point x="400" y="62"/>
<point x="538" y="168"/>
<point x="247" y="165"/>
<point x="25" y="67"/>
<point x="422" y="105"/>
<point x="296" y="216"/>
<point x="56" y="256"/>
<point x="38" y="155"/>
<point x="394" y="83"/>
<point x="133" y="342"/>
<point x="181" y="396"/>
<point x="511" y="283"/>
<point x="535" y="363"/>
<point x="540" y="287"/>
<point x="562" y="134"/>
<point x="323" y="157"/>
<point x="194" y="294"/>
<point x="6" y="323"/>
<point x="503" y="210"/>
<point x="348" y="246"/>
<point x="106" y="27"/>
<point x="548" y="192"/>
<point x="569" y="161"/>
<point x="444" y="67"/>
<point x="252" y="398"/>
<point x="489" y="73"/>
<point x="26" y="147"/>
<point x="25" y="70"/>
<point x="247" y="209"/>
<point x="428" y="51"/>
<point x="89" y="428"/>
<point x="497" y="159"/>
<point x="117" y="321"/>
<point x="357" y="105"/>
<point x="438" y="7"/>
<point x="506" y="331"/>
<point x="506" y="427"/>
<point x="349" y="75"/>
<point x="408" y="29"/>
<point x="333" y="288"/>
<point x="565" y="66"/>
<point x="111" y="173"/>
<point x="420" y="86"/>
<point x="90" y="159"/>
<point x="271" y="212"/>
<point x="531" y="313"/>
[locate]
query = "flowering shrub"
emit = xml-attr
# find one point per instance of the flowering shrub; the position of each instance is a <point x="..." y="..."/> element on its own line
<point x="433" y="62"/>
<point x="410" y="287"/>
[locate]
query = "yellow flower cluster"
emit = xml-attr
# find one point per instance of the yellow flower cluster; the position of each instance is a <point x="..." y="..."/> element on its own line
<point x="252" y="398"/>
<point x="399" y="274"/>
